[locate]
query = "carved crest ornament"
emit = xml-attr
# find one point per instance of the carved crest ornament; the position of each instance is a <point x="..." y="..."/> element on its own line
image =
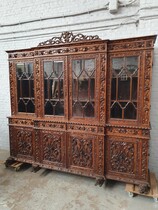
<point x="68" y="37"/>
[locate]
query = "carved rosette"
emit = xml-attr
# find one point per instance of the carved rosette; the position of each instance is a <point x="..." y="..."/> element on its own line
<point x="52" y="147"/>
<point x="37" y="87"/>
<point x="12" y="88"/>
<point x="81" y="151"/>
<point x="144" y="162"/>
<point x="102" y="88"/>
<point x="24" y="142"/>
<point x="122" y="156"/>
<point x="68" y="37"/>
<point x="147" y="84"/>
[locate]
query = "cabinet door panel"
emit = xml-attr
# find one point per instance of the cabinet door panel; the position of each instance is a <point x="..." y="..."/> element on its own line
<point x="22" y="138"/>
<point x="121" y="156"/>
<point x="86" y="154"/>
<point x="53" y="148"/>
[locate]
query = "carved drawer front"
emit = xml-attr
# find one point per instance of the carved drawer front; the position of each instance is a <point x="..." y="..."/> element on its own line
<point x="82" y="153"/>
<point x="53" y="148"/>
<point x="22" y="142"/>
<point x="121" y="156"/>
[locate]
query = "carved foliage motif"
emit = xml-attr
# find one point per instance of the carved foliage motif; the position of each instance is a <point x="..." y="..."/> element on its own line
<point x="52" y="147"/>
<point x="24" y="142"/>
<point x="122" y="156"/>
<point x="68" y="37"/>
<point x="147" y="79"/>
<point x="81" y="150"/>
<point x="102" y="88"/>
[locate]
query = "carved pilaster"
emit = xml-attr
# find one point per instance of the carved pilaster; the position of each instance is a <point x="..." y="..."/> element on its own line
<point x="101" y="155"/>
<point x="144" y="161"/>
<point x="38" y="91"/>
<point x="12" y="76"/>
<point x="147" y="84"/>
<point x="103" y="59"/>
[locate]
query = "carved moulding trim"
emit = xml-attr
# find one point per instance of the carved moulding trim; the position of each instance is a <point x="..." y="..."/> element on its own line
<point x="124" y="131"/>
<point x="132" y="44"/>
<point x="21" y="122"/>
<point x="68" y="37"/>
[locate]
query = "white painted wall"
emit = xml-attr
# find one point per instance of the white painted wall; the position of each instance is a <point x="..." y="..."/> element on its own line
<point x="24" y="24"/>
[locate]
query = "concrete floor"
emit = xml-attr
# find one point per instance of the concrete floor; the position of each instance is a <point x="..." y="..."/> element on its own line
<point x="51" y="190"/>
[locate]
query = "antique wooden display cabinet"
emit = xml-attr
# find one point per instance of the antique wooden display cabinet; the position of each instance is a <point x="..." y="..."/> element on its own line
<point x="80" y="104"/>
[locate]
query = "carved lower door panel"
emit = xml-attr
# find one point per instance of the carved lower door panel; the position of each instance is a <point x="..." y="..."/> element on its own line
<point x="85" y="154"/>
<point x="21" y="142"/>
<point x="127" y="159"/>
<point x="121" y="157"/>
<point x="52" y="149"/>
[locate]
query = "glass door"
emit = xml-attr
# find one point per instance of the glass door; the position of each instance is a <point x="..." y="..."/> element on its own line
<point x="83" y="87"/>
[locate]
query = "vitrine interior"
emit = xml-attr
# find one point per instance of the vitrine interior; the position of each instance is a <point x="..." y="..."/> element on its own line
<point x="81" y="105"/>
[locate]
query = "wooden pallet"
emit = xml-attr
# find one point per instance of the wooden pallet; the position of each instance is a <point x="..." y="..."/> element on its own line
<point x="133" y="189"/>
<point x="14" y="165"/>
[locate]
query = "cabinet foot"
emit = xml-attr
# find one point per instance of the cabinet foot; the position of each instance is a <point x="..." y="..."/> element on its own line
<point x="35" y="168"/>
<point x="99" y="181"/>
<point x="144" y="188"/>
<point x="9" y="162"/>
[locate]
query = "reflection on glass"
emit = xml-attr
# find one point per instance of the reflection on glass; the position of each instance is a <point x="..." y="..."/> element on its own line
<point x="53" y="88"/>
<point x="25" y="87"/>
<point x="83" y="87"/>
<point x="124" y="85"/>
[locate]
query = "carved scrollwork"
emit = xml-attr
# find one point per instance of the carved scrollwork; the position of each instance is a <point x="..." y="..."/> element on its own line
<point x="52" y="147"/>
<point x="68" y="37"/>
<point x="24" y="142"/>
<point x="81" y="150"/>
<point x="122" y="156"/>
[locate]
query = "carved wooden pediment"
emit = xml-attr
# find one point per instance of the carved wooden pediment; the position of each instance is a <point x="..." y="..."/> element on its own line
<point x="68" y="37"/>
